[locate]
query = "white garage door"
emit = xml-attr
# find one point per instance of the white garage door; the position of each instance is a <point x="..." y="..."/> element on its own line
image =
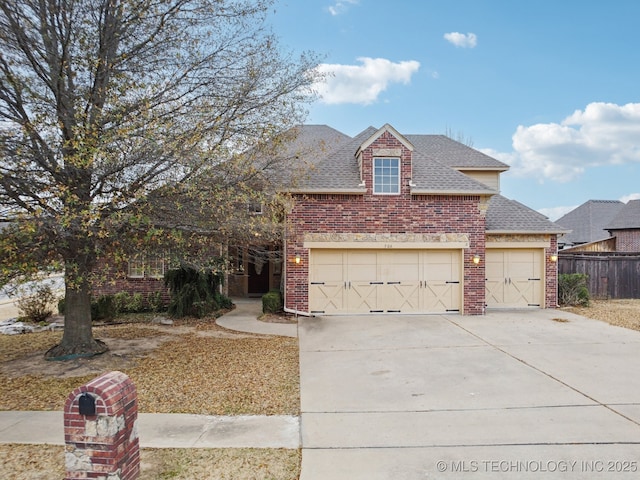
<point x="384" y="281"/>
<point x="514" y="278"/>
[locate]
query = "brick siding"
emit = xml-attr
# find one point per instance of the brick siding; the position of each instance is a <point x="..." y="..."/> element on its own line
<point x="368" y="213"/>
<point x="113" y="279"/>
<point x="627" y="240"/>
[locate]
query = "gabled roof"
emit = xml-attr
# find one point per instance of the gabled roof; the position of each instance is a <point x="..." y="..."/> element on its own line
<point x="455" y="154"/>
<point x="628" y="217"/>
<point x="392" y="131"/>
<point x="588" y="221"/>
<point x="509" y="216"/>
<point x="338" y="172"/>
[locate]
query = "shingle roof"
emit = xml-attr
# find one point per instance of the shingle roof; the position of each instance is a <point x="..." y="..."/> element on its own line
<point x="588" y="221"/>
<point x="314" y="142"/>
<point x="340" y="171"/>
<point x="431" y="176"/>
<point x="628" y="217"/>
<point x="509" y="216"/>
<point x="454" y="154"/>
<point x="436" y="160"/>
<point x="306" y="146"/>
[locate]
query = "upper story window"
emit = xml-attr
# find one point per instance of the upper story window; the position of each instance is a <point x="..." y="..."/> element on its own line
<point x="386" y="176"/>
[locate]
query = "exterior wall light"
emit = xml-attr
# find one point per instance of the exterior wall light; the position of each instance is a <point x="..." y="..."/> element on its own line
<point x="476" y="259"/>
<point x="554" y="258"/>
<point x="297" y="259"/>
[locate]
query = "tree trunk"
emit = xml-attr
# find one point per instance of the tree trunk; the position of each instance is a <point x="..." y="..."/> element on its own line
<point x="77" y="339"/>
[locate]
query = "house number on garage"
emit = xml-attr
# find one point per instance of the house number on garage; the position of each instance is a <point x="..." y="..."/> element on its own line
<point x="388" y="245"/>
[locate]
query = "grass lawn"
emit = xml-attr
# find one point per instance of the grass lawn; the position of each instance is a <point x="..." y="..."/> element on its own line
<point x="193" y="366"/>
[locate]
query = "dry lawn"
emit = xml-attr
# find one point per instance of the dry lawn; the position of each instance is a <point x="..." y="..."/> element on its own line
<point x="193" y="366"/>
<point x="45" y="462"/>
<point x="622" y="313"/>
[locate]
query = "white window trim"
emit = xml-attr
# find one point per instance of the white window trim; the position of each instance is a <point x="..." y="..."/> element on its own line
<point x="142" y="262"/>
<point x="399" y="165"/>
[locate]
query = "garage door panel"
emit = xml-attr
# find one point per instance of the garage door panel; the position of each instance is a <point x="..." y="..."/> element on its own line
<point x="363" y="297"/>
<point x="440" y="297"/>
<point x="405" y="281"/>
<point x="514" y="278"/>
<point x="326" y="282"/>
<point x="326" y="298"/>
<point x="402" y="297"/>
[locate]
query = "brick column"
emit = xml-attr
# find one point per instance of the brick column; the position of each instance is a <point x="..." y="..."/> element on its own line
<point x="103" y="446"/>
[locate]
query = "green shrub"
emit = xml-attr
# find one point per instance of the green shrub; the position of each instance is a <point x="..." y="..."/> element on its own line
<point x="155" y="303"/>
<point x="104" y="308"/>
<point x="37" y="305"/>
<point x="194" y="292"/>
<point x="272" y="302"/>
<point x="108" y="307"/>
<point x="572" y="289"/>
<point x="124" y="302"/>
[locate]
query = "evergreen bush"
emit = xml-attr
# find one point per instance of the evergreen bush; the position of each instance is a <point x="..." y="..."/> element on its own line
<point x="572" y="290"/>
<point x="272" y="302"/>
<point x="194" y="292"/>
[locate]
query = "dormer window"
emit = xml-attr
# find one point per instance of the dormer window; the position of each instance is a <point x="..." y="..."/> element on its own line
<point x="386" y="176"/>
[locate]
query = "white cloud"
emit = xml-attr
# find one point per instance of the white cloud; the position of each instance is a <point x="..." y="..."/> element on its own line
<point x="601" y="134"/>
<point x="362" y="84"/>
<point x="631" y="196"/>
<point x="341" y="6"/>
<point x="470" y="40"/>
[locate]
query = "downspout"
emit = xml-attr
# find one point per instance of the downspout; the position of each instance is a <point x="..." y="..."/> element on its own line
<point x="297" y="312"/>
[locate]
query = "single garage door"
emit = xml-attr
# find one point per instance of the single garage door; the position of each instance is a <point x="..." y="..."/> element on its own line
<point x="384" y="281"/>
<point x="514" y="278"/>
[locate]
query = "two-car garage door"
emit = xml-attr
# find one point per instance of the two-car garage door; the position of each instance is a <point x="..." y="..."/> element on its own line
<point x="384" y="281"/>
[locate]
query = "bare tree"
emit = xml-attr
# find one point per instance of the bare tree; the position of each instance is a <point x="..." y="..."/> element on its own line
<point x="105" y="101"/>
<point x="458" y="137"/>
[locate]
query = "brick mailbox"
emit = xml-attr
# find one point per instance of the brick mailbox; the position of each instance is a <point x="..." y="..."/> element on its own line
<point x="100" y="430"/>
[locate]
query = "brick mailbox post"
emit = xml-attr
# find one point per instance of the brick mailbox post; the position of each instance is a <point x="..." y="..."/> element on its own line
<point x="100" y="430"/>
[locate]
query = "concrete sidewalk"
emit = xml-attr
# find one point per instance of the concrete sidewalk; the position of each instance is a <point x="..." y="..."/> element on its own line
<point x="244" y="318"/>
<point x="512" y="394"/>
<point x="166" y="430"/>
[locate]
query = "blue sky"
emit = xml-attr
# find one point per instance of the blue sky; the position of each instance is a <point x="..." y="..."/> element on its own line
<point x="550" y="87"/>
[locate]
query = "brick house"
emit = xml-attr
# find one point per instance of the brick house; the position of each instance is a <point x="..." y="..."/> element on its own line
<point x="392" y="223"/>
<point x="611" y="265"/>
<point x="384" y="222"/>
<point x="625" y="227"/>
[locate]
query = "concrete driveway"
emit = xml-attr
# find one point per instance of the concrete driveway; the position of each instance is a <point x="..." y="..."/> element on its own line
<point x="512" y="394"/>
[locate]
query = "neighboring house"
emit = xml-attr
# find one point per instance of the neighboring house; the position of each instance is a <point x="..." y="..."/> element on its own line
<point x="587" y="222"/>
<point x="392" y="223"/>
<point x="601" y="226"/>
<point x="625" y="228"/>
<point x="610" y="265"/>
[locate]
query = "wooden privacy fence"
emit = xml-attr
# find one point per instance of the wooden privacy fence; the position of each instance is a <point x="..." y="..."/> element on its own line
<point x="609" y="275"/>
